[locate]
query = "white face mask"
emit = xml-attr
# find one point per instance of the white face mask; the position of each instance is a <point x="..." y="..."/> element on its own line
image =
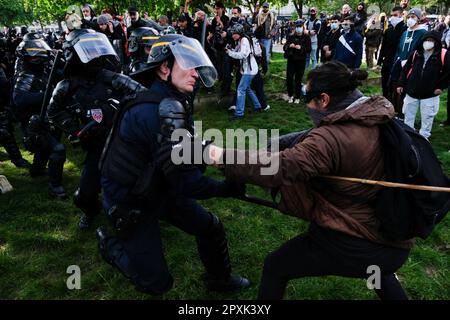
<point x="428" y="45"/>
<point x="299" y="29"/>
<point x="395" y="20"/>
<point x="411" y="22"/>
<point x="334" y="26"/>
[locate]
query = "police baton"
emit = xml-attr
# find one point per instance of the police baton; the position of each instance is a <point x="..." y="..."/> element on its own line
<point x="49" y="85"/>
<point x="258" y="201"/>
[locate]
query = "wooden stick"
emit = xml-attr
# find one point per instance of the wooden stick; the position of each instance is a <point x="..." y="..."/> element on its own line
<point x="390" y="184"/>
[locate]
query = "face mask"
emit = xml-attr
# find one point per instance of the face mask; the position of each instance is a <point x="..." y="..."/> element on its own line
<point x="395" y="20"/>
<point x="299" y="29"/>
<point x="346" y="27"/>
<point x="313" y="16"/>
<point x="265" y="10"/>
<point x="316" y="116"/>
<point x="428" y="45"/>
<point x="411" y="22"/>
<point x="334" y="26"/>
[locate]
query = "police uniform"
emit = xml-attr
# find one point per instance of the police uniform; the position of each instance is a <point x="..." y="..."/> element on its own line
<point x="31" y="77"/>
<point x="80" y="107"/>
<point x="138" y="191"/>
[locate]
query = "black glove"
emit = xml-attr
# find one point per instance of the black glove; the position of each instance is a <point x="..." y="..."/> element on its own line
<point x="234" y="189"/>
<point x="163" y="156"/>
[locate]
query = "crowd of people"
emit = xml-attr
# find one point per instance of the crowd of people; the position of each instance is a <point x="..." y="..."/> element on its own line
<point x="118" y="86"/>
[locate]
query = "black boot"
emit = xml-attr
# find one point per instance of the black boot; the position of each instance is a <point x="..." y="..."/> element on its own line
<point x="90" y="208"/>
<point x="57" y="191"/>
<point x="213" y="251"/>
<point x="9" y="143"/>
<point x="21" y="163"/>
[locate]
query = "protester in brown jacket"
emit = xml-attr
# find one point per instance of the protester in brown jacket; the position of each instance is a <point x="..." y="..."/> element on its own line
<point x="343" y="237"/>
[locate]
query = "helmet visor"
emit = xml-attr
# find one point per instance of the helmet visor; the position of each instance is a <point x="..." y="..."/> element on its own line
<point x="37" y="48"/>
<point x="92" y="46"/>
<point x="189" y="54"/>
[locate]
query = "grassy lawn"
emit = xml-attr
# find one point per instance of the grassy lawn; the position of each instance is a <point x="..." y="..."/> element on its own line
<point x="39" y="238"/>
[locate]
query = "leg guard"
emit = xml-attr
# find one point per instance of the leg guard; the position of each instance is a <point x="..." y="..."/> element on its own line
<point x="113" y="252"/>
<point x="90" y="207"/>
<point x="213" y="251"/>
<point x="56" y="164"/>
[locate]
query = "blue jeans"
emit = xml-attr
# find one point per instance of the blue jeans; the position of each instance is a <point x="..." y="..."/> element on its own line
<point x="312" y="56"/>
<point x="267" y="44"/>
<point x="243" y="90"/>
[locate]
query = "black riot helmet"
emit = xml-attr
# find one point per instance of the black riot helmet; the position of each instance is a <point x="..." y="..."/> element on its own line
<point x="187" y="52"/>
<point x="33" y="48"/>
<point x="82" y="46"/>
<point x="139" y="45"/>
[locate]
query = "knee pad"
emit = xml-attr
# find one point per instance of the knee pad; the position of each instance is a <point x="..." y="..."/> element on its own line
<point x="58" y="153"/>
<point x="90" y="207"/>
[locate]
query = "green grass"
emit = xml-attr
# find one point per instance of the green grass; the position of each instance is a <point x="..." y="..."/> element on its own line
<point x="39" y="238"/>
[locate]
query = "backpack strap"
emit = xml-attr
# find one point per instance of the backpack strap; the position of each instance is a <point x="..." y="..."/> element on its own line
<point x="412" y="63"/>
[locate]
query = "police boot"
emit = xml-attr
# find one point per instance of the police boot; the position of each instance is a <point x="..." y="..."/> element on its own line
<point x="11" y="147"/>
<point x="57" y="191"/>
<point x="213" y="251"/>
<point x="90" y="208"/>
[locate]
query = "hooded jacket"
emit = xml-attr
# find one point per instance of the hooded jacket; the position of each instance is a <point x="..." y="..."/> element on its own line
<point x="408" y="42"/>
<point x="346" y="143"/>
<point x="425" y="77"/>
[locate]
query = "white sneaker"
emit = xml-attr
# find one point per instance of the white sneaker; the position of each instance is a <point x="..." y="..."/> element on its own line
<point x="291" y="99"/>
<point x="297" y="101"/>
<point x="232" y="108"/>
<point x="267" y="108"/>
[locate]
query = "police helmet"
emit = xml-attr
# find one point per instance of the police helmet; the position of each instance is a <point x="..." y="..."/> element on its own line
<point x="33" y="45"/>
<point x="141" y="38"/>
<point x="87" y="45"/>
<point x="187" y="52"/>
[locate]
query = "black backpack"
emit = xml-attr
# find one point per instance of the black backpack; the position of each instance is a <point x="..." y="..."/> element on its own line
<point x="409" y="158"/>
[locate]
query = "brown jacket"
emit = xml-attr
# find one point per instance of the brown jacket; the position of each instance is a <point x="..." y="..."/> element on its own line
<point x="345" y="144"/>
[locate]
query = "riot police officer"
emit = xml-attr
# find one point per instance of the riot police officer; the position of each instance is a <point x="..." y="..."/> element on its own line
<point x="140" y="187"/>
<point x="30" y="82"/>
<point x="139" y="46"/>
<point x="7" y="139"/>
<point x="80" y="107"/>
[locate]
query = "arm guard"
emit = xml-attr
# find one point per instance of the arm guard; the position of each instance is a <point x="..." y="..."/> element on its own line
<point x="172" y="115"/>
<point x="56" y="111"/>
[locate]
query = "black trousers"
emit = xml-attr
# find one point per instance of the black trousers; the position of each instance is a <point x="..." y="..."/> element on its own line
<point x="385" y="74"/>
<point x="90" y="186"/>
<point x="294" y="75"/>
<point x="448" y="105"/>
<point x="322" y="252"/>
<point x="143" y="250"/>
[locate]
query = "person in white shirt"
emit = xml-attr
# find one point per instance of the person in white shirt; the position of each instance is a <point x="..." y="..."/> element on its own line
<point x="248" y="69"/>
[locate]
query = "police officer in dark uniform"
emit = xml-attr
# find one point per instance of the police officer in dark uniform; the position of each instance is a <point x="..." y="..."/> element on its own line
<point x="139" y="46"/>
<point x="80" y="107"/>
<point x="30" y="82"/>
<point x="7" y="139"/>
<point x="140" y="186"/>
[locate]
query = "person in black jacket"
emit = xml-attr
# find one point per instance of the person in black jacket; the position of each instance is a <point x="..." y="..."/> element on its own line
<point x="424" y="77"/>
<point x="138" y="22"/>
<point x="331" y="38"/>
<point x="297" y="46"/>
<point x="373" y="36"/>
<point x="390" y="41"/>
<point x="360" y="18"/>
